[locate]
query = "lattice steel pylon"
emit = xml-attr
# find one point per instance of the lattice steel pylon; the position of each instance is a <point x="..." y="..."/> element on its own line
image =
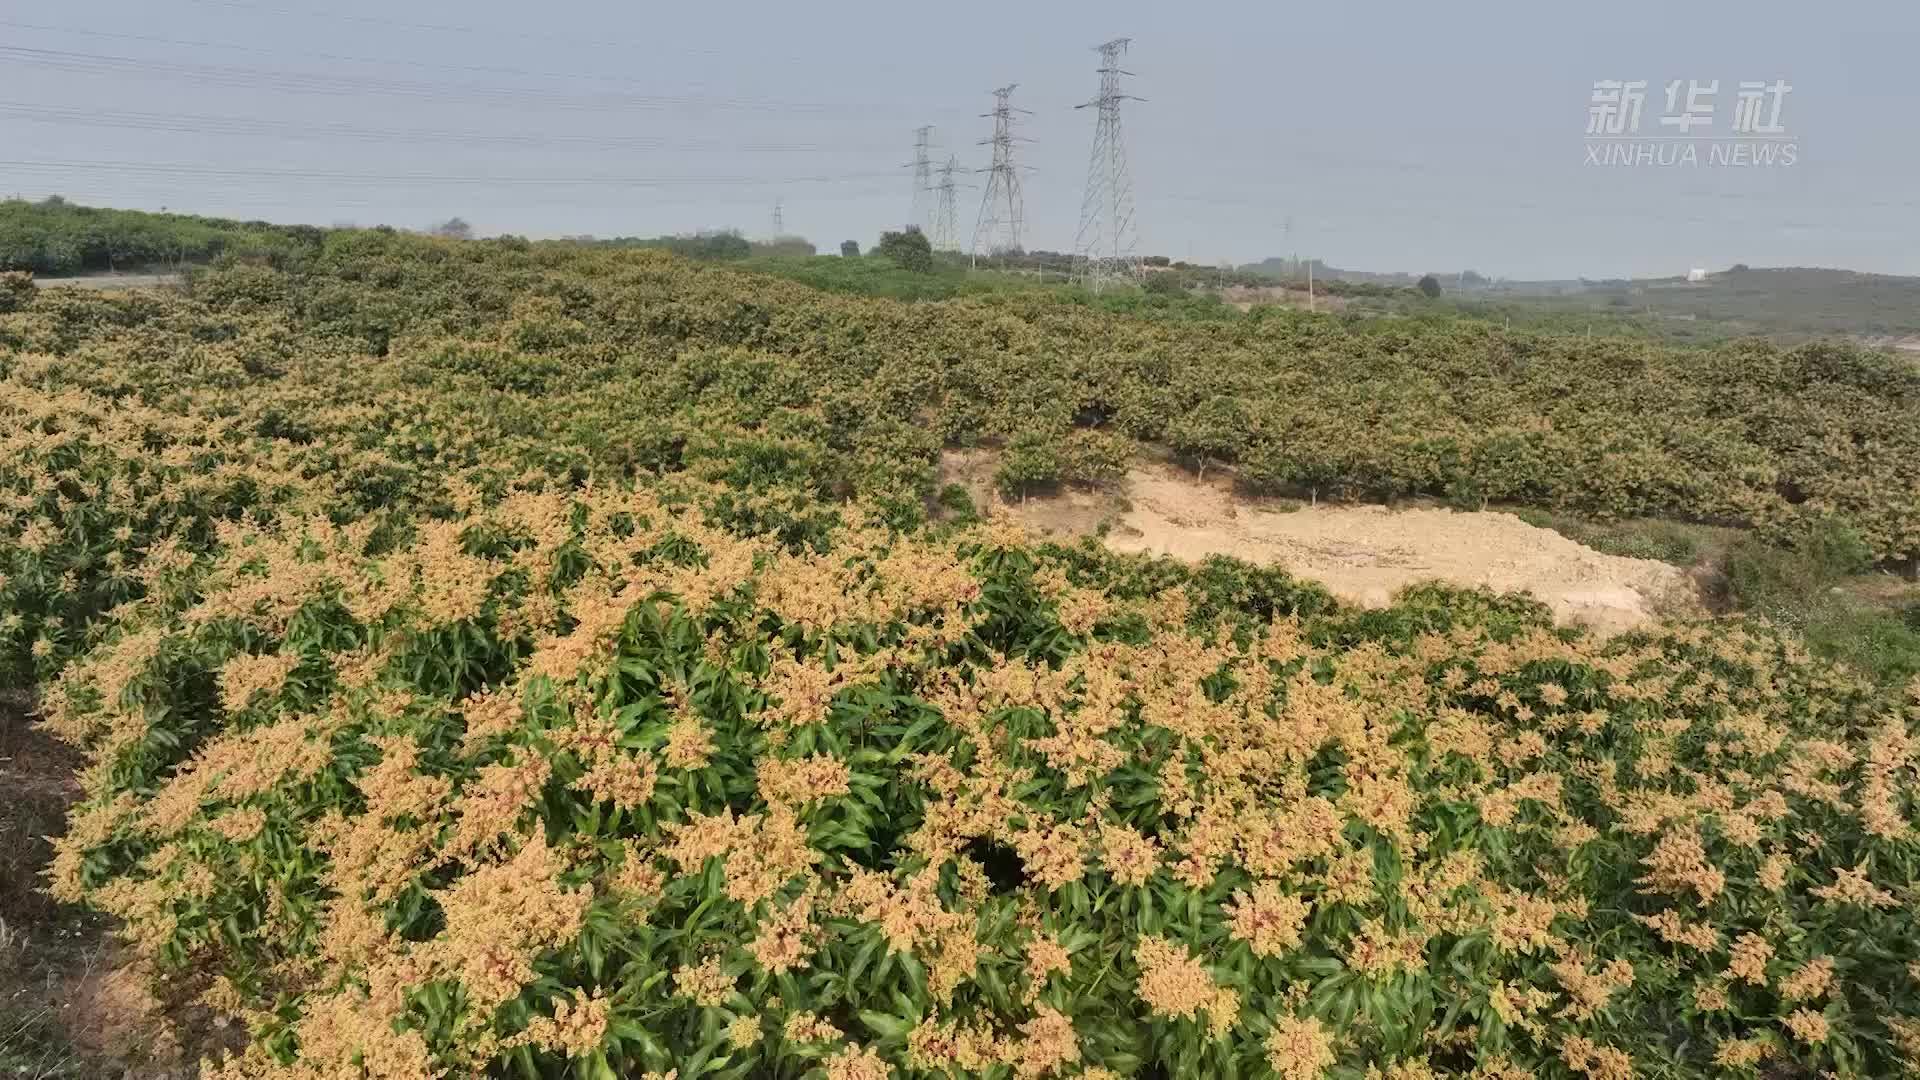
<point x="1105" y="247"/>
<point x="946" y="216"/>
<point x="921" y="215"/>
<point x="1002" y="214"/>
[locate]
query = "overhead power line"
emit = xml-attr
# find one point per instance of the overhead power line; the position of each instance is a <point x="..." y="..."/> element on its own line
<point x="223" y="198"/>
<point x="629" y="47"/>
<point x="389" y="61"/>
<point x="465" y="93"/>
<point x="305" y="131"/>
<point x="472" y="180"/>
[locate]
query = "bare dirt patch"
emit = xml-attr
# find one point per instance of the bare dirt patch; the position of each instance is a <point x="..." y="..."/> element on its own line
<point x="1248" y="297"/>
<point x="71" y="1005"/>
<point x="1363" y="554"/>
<point x="1069" y="512"/>
<point x="970" y="469"/>
<point x="1909" y="343"/>
<point x="110" y="282"/>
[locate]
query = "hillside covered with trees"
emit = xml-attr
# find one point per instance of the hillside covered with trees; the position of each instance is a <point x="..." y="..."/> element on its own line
<point x="495" y="658"/>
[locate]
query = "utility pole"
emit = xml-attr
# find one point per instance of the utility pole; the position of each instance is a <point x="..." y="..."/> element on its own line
<point x="779" y="222"/>
<point x="946" y="219"/>
<point x="1104" y="249"/>
<point x="1002" y="214"/>
<point x="922" y="178"/>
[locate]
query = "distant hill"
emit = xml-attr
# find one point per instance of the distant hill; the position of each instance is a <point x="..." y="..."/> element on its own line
<point x="1285" y="269"/>
<point x="1787" y="301"/>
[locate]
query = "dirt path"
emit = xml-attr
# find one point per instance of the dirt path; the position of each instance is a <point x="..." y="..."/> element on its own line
<point x="1363" y="553"/>
<point x="70" y="1007"/>
<point x="109" y="282"/>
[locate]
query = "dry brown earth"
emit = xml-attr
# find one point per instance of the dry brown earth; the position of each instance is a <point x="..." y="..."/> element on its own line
<point x="1362" y="554"/>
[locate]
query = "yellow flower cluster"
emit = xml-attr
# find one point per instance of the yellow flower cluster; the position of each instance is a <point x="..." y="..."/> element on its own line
<point x="1173" y="983"/>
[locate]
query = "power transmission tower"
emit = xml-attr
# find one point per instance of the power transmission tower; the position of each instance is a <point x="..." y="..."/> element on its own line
<point x="779" y="222"/>
<point x="922" y="178"/>
<point x="1002" y="215"/>
<point x="1104" y="250"/>
<point x="946" y="217"/>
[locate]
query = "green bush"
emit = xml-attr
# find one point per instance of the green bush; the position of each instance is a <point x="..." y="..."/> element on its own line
<point x="1094" y="457"/>
<point x="1882" y="645"/>
<point x="1790" y="585"/>
<point x="1666" y="541"/>
<point x="16" y="290"/>
<point x="958" y="503"/>
<point x="1783" y="585"/>
<point x="908" y="249"/>
<point x="1679" y="543"/>
<point x="1835" y="548"/>
<point x="1031" y="462"/>
<point x="1165" y="283"/>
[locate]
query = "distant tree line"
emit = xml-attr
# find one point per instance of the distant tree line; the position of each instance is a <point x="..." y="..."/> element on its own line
<point x="709" y="245"/>
<point x="53" y="236"/>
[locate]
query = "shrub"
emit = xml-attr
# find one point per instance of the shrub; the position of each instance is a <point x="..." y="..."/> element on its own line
<point x="1881" y="645"/>
<point x="1213" y="430"/>
<point x="1667" y="541"/>
<point x="1165" y="283"/>
<point x="1674" y="542"/>
<point x="1773" y="581"/>
<point x="1031" y="461"/>
<point x="16" y="290"/>
<point x="1787" y="585"/>
<point x="1095" y="457"/>
<point x="1836" y="549"/>
<point x="956" y="501"/>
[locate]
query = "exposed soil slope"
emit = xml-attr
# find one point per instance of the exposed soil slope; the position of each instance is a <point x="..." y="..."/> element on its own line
<point x="1361" y="553"/>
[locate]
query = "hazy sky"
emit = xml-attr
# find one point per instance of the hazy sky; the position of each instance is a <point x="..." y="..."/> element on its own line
<point x="1394" y="136"/>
